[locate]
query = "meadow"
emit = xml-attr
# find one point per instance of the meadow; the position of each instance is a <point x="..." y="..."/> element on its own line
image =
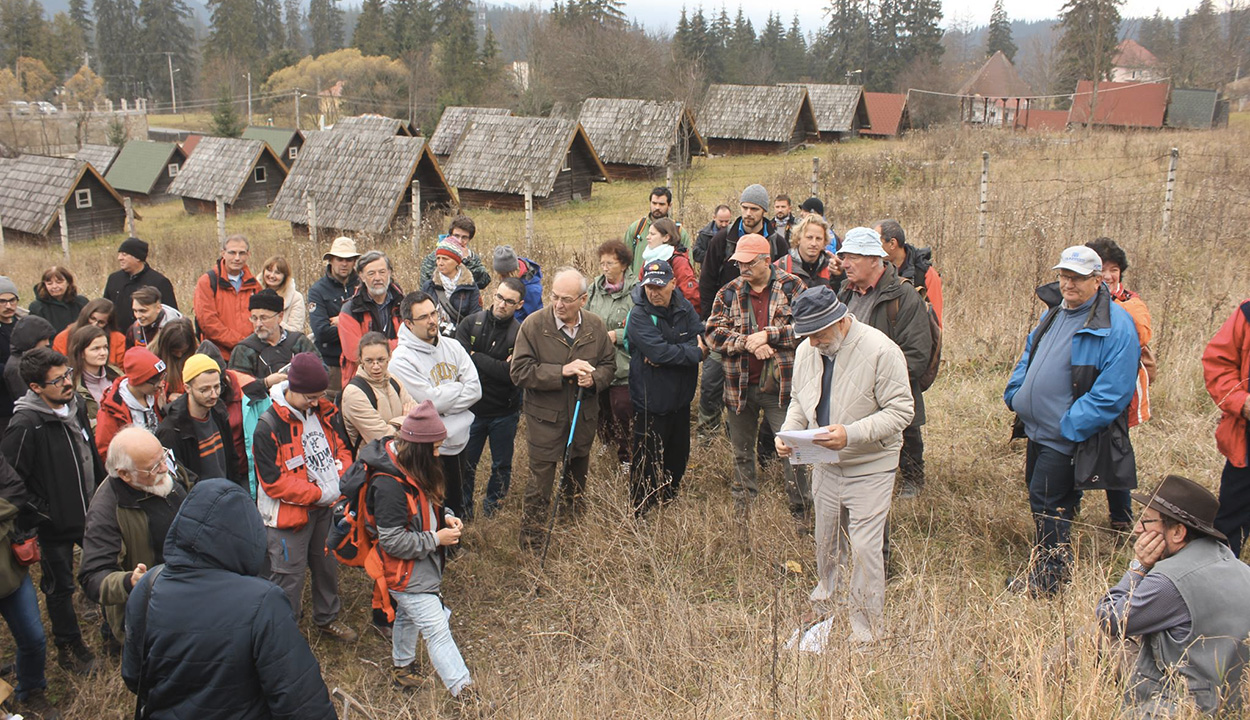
<point x="685" y="615"/>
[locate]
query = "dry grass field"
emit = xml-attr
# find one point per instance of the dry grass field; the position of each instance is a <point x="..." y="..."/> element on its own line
<point x="685" y="615"/>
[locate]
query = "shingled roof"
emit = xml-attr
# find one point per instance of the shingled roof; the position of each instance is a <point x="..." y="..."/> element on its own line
<point x="836" y="106"/>
<point x="374" y="124"/>
<point x="502" y="153"/>
<point x="766" y="113"/>
<point x="34" y="187"/>
<point x="452" y="124"/>
<point x="101" y="157"/>
<point x="997" y="78"/>
<point x="637" y="132"/>
<point x="140" y="165"/>
<point x="357" y="180"/>
<point x="278" y="138"/>
<point x="220" y="167"/>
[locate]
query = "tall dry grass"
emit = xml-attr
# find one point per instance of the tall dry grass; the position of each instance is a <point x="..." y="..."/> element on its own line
<point x="684" y="615"/>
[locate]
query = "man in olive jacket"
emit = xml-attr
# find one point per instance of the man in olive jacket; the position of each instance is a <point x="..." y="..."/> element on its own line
<point x="560" y="352"/>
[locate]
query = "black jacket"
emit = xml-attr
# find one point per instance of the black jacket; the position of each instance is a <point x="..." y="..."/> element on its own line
<point x="121" y="286"/>
<point x="325" y="300"/>
<point x="60" y="313"/>
<point x="490" y="342"/>
<point x="207" y="638"/>
<point x="27" y="333"/>
<point x="664" y="353"/>
<point x="718" y="270"/>
<point x="177" y="432"/>
<point x="702" y="240"/>
<point x="60" y="470"/>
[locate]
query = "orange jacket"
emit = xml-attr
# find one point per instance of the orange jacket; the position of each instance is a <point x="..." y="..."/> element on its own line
<point x="278" y="452"/>
<point x="395" y="572"/>
<point x="1226" y="370"/>
<point x="117" y="345"/>
<point x="1139" y="406"/>
<point x="220" y="312"/>
<point x="933" y="291"/>
<point x="355" y="319"/>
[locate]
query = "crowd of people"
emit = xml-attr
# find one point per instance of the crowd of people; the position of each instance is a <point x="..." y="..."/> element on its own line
<point x="206" y="465"/>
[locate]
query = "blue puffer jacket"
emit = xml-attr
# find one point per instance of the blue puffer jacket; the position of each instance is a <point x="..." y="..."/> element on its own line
<point x="533" y="281"/>
<point x="664" y="355"/>
<point x="1105" y="356"/>
<point x="210" y="638"/>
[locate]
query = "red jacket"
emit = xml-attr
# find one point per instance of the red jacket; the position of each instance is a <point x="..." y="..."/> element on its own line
<point x="356" y="319"/>
<point x="112" y="416"/>
<point x="221" y="313"/>
<point x="1226" y="370"/>
<point x="684" y="274"/>
<point x="278" y="452"/>
<point x="117" y="345"/>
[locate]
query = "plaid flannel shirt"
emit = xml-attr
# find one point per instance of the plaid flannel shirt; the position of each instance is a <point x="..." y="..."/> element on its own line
<point x="730" y="323"/>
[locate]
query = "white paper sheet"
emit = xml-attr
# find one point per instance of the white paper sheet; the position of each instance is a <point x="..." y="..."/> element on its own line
<point x="807" y="452"/>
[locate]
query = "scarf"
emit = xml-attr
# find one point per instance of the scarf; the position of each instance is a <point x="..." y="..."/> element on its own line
<point x="659" y="252"/>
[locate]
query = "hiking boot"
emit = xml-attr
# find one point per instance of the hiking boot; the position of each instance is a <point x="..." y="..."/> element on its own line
<point x="406" y="676"/>
<point x="470" y="704"/>
<point x="339" y="631"/>
<point x="37" y="707"/>
<point x="1036" y="588"/>
<point x="75" y="657"/>
<point x="909" y="490"/>
<point x="1123" y="528"/>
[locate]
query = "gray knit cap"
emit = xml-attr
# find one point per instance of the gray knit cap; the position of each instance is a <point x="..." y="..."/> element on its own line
<point x="7" y="286"/>
<point x="756" y="195"/>
<point x="505" y="261"/>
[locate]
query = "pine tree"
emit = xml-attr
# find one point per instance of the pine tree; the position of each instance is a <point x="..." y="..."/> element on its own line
<point x="456" y="55"/>
<point x="412" y="25"/>
<point x="23" y="31"/>
<point x="845" y="45"/>
<point x="1158" y="35"/>
<point x="371" y="36"/>
<point x="794" y="53"/>
<point x="741" y="57"/>
<point x="233" y="31"/>
<point x="166" y="29"/>
<point x="117" y="37"/>
<point x="226" y="121"/>
<point x="772" y="39"/>
<point x="294" y="17"/>
<point x="1199" y="61"/>
<point x="81" y="16"/>
<point x="270" y="35"/>
<point x="1090" y="31"/>
<point x="67" y="48"/>
<point x="998" y="38"/>
<point x="922" y="36"/>
<point x="325" y="25"/>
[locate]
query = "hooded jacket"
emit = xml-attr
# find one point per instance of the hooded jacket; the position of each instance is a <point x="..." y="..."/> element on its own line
<point x="117" y="410"/>
<point x="177" y="432"/>
<point x="443" y="374"/>
<point x="325" y="301"/>
<point x="699" y="251"/>
<point x="918" y="268"/>
<point x="822" y="274"/>
<point x="405" y="521"/>
<point x="57" y="459"/>
<point x="664" y="353"/>
<point x="472" y="262"/>
<point x="27" y="333"/>
<point x="532" y="278"/>
<point x="117" y="344"/>
<point x="149" y="336"/>
<point x="121" y="286"/>
<point x="356" y="319"/>
<point x="490" y="343"/>
<point x="367" y="421"/>
<point x="60" y="313"/>
<point x="207" y="637"/>
<point x="1226" y="372"/>
<point x="613" y="309"/>
<point x="220" y="311"/>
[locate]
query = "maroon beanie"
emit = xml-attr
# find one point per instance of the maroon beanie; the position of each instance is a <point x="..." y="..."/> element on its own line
<point x="423" y="425"/>
<point x="307" y="375"/>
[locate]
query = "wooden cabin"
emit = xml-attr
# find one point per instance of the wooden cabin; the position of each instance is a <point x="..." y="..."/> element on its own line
<point x="887" y="115"/>
<point x="33" y="189"/>
<point x="101" y="157"/>
<point x="246" y="174"/>
<point x="840" y="110"/>
<point x="640" y="139"/>
<point x="376" y="124"/>
<point x="144" y="170"/>
<point x="756" y="119"/>
<point x="996" y="96"/>
<point x="284" y="141"/>
<point x="451" y="127"/>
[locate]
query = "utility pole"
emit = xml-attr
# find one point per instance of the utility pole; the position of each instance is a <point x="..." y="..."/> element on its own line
<point x="249" y="98"/>
<point x="173" y="96"/>
<point x="296" y="108"/>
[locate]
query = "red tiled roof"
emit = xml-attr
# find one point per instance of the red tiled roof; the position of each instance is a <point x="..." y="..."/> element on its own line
<point x="1044" y="120"/>
<point x="1131" y="54"/>
<point x="188" y="145"/>
<point x="997" y="78"/>
<point x="1120" y="104"/>
<point x="885" y="114"/>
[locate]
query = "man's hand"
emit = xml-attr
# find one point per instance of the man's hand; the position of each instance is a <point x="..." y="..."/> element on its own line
<point x="274" y="379"/>
<point x="138" y="573"/>
<point x="334" y="321"/>
<point x="783" y="450"/>
<point x="1149" y="548"/>
<point x="756" y="340"/>
<point x="586" y="380"/>
<point x="612" y="336"/>
<point x="833" y="438"/>
<point x="763" y="352"/>
<point x="577" y="367"/>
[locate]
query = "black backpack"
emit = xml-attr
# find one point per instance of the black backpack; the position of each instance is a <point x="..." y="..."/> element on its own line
<point x="341" y="424"/>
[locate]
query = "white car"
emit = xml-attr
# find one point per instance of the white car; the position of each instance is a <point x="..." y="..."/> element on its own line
<point x="19" y="107"/>
<point x="44" y="107"/>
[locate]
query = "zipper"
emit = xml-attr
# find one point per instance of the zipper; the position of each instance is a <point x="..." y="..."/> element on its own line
<point x="82" y="496"/>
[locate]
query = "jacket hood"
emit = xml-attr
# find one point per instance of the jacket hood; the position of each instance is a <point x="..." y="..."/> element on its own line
<point x="600" y="285"/>
<point x="28" y="332"/>
<point x="374" y="455"/>
<point x="1049" y="294"/>
<point x="217" y="527"/>
<point x="890" y="285"/>
<point x="30" y="401"/>
<point x="407" y="339"/>
<point x="1099" y="314"/>
<point x="210" y="349"/>
<point x="533" y="271"/>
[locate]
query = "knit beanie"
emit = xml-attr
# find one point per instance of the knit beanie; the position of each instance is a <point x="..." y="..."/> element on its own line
<point x="446" y="248"/>
<point x="141" y="365"/>
<point x="423" y="425"/>
<point x="266" y="299"/>
<point x="135" y="248"/>
<point x="756" y="195"/>
<point x="505" y="262"/>
<point x="197" y="365"/>
<point x="307" y="375"/>
<point x="7" y="286"/>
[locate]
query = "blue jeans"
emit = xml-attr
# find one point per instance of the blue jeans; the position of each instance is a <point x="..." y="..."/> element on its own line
<point x="21" y="612"/>
<point x="502" y="434"/>
<point x="419" y="615"/>
<point x="1052" y="498"/>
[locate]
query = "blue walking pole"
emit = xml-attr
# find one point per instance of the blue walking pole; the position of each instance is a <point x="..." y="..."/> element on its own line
<point x="564" y="472"/>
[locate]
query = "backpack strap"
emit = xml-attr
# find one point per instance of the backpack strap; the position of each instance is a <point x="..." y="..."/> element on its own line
<point x="478" y="324"/>
<point x="363" y="385"/>
<point x="213" y="281"/>
<point x="141" y="693"/>
<point x="891" y="313"/>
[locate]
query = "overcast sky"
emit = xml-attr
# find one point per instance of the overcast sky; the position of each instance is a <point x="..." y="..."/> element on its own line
<point x="663" y="14"/>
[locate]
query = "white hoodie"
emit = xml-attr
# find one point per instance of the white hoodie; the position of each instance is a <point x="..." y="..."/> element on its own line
<point x="445" y="375"/>
<point x="319" y="461"/>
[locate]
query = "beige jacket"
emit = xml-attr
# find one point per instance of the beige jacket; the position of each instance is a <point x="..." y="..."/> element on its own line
<point x="366" y="423"/>
<point x="870" y="395"/>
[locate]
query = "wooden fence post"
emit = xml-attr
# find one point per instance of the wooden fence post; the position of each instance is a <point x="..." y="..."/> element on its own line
<point x="130" y="216"/>
<point x="311" y="217"/>
<point x="221" y="221"/>
<point x="1" y="234"/>
<point x="64" y="232"/>
<point x="668" y="176"/>
<point x="416" y="217"/>
<point x="985" y="197"/>
<point x="815" y="177"/>
<point x="1171" y="190"/>
<point x="529" y="218"/>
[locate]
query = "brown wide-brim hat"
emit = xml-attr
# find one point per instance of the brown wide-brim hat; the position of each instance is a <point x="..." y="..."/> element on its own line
<point x="1186" y="501"/>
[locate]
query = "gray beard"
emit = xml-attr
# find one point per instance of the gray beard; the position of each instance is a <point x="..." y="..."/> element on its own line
<point x="830" y="349"/>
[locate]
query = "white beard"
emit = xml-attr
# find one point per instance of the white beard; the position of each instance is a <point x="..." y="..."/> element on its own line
<point x="830" y="349"/>
<point x="162" y="488"/>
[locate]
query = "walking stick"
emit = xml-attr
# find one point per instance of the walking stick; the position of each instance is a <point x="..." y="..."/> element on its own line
<point x="564" y="473"/>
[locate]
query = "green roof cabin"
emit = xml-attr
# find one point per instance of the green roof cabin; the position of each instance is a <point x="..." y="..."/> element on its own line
<point x="144" y="170"/>
<point x="286" y="142"/>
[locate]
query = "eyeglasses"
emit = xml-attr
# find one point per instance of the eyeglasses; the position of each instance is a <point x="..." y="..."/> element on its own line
<point x="67" y="377"/>
<point x="374" y="361"/>
<point x="1147" y="521"/>
<point x="741" y="264"/>
<point x="164" y="466"/>
<point x="564" y="300"/>
<point x="262" y="318"/>
<point x="1074" y="279"/>
<point x="8" y="301"/>
<point x="505" y="301"/>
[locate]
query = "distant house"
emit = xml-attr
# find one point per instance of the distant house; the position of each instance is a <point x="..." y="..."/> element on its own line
<point x="1043" y="120"/>
<point x="639" y="139"/>
<point x="996" y="96"/>
<point x="1134" y="63"/>
<point x="451" y="127"/>
<point x="376" y="124"/>
<point x="500" y="156"/>
<point x="887" y="115"/>
<point x="360" y="183"/>
<point x="284" y="141"/>
<point x="144" y="170"/>
<point x="33" y="189"/>
<point x="1124" y="105"/>
<point x="840" y="109"/>
<point x="246" y="174"/>
<point x="742" y="119"/>
<point x="101" y="157"/>
<point x="1196" y="109"/>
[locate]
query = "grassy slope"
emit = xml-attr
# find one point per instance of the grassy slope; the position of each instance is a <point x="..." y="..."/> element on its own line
<point x="681" y="616"/>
